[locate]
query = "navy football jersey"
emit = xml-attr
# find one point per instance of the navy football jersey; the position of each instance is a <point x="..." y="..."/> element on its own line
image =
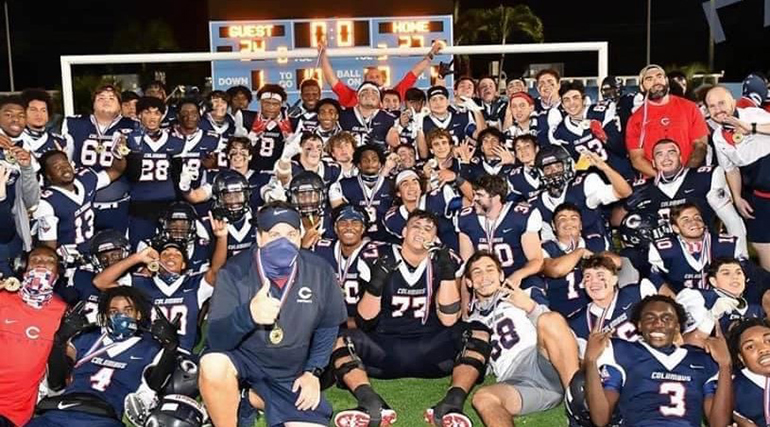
<point x="587" y="192"/>
<point x="240" y="234"/>
<point x="515" y="130"/>
<point x="267" y="147"/>
<point x="347" y="268"/>
<point x="480" y="166"/>
<point x="169" y="117"/>
<point x="196" y="146"/>
<point x="459" y="125"/>
<point x="408" y="305"/>
<point x="395" y="220"/>
<point x="376" y="200"/>
<point x="224" y="129"/>
<point x="578" y="137"/>
<point x="371" y="130"/>
<point x="698" y="302"/>
<point x="185" y="296"/>
<point x="566" y="295"/>
<point x="91" y="148"/>
<point x="657" y="388"/>
<point x="749" y="396"/>
<point x="39" y="142"/>
<point x="329" y="171"/>
<point x="503" y="236"/>
<point x="692" y="185"/>
<point x="673" y="264"/>
<point x="524" y="182"/>
<point x="67" y="217"/>
<point x="547" y="118"/>
<point x="305" y="121"/>
<point x="149" y="166"/>
<point x="616" y="317"/>
<point x="111" y="370"/>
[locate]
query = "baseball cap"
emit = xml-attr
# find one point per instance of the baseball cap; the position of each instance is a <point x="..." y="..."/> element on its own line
<point x="350" y="213"/>
<point x="438" y="90"/>
<point x="270" y="216"/>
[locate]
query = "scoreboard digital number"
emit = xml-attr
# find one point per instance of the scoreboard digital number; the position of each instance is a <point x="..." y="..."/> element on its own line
<point x="285" y="35"/>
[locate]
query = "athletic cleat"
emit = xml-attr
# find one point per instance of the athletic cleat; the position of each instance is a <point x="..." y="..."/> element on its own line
<point x="360" y="418"/>
<point x="451" y="419"/>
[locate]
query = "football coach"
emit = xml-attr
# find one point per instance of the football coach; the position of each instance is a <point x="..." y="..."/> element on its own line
<point x="274" y="317"/>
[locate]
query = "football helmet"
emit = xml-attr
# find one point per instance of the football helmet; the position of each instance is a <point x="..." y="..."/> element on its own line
<point x="231" y="193"/>
<point x="107" y="241"/>
<point x="550" y="155"/>
<point x="307" y="194"/>
<point x="178" y="223"/>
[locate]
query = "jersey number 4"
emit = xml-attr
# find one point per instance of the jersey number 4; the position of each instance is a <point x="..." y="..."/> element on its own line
<point x="102" y="379"/>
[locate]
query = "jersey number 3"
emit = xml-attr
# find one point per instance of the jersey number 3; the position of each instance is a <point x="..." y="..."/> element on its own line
<point x="675" y="392"/>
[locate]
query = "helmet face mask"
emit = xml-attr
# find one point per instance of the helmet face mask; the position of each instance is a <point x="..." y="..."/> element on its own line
<point x="178" y="223"/>
<point x="638" y="230"/>
<point x="231" y="196"/>
<point x="554" y="180"/>
<point x="307" y="194"/>
<point x="108" y="247"/>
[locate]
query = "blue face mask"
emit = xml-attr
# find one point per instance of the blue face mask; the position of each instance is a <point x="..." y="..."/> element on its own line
<point x="120" y="326"/>
<point x="278" y="257"/>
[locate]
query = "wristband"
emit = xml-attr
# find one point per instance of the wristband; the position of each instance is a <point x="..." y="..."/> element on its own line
<point x="317" y="372"/>
<point x="429" y="56"/>
<point x="754" y="128"/>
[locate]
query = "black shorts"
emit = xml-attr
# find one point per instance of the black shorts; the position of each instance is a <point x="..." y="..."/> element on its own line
<point x="394" y="356"/>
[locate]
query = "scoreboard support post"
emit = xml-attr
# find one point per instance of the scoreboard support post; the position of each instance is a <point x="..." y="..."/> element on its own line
<point x="67" y="61"/>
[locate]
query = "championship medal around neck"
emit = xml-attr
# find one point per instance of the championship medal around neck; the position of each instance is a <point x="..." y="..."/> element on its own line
<point x="737" y="137"/>
<point x="276" y="334"/>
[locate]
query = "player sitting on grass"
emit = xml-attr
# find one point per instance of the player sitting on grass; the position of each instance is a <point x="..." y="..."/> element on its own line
<point x="534" y="355"/>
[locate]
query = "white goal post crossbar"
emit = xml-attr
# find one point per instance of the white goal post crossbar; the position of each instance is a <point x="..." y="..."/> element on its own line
<point x="67" y="61"/>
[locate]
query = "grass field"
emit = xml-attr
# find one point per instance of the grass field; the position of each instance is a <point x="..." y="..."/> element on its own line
<point x="410" y="397"/>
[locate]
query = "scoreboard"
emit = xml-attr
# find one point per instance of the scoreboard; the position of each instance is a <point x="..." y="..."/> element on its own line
<point x="285" y="35"/>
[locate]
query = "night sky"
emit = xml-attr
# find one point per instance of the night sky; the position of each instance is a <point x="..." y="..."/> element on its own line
<point x="679" y="31"/>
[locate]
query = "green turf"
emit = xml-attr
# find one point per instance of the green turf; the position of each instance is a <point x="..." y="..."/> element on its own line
<point x="410" y="397"/>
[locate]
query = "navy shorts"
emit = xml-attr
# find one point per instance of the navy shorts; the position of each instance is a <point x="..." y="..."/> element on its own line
<point x="277" y="395"/>
<point x="421" y="356"/>
<point x="72" y="419"/>
<point x="757" y="229"/>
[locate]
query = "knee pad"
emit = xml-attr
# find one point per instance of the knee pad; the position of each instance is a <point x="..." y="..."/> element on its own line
<point x="348" y="350"/>
<point x="477" y="345"/>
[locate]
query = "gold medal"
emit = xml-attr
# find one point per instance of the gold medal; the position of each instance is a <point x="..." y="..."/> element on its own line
<point x="11" y="284"/>
<point x="99" y="148"/>
<point x="153" y="266"/>
<point x="737" y="137"/>
<point x="123" y="150"/>
<point x="585" y="124"/>
<point x="9" y="156"/>
<point x="276" y="335"/>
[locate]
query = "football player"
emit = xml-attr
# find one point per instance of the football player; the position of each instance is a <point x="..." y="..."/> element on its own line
<point x="637" y="231"/>
<point x="14" y="119"/>
<point x="149" y="169"/>
<point x="610" y="306"/>
<point x="157" y="89"/>
<point x="493" y="106"/>
<point x="441" y="116"/>
<point x="19" y="193"/>
<point x="271" y="128"/>
<point x="750" y="346"/>
<point x="408" y="327"/>
<point x="519" y="117"/>
<point x="37" y="139"/>
<point x="548" y="109"/>
<point x="370" y="190"/>
<point x="495" y="159"/>
<point x="107" y="247"/>
<point x="725" y="301"/>
<point x="676" y="184"/>
<point x="682" y="260"/>
<point x="107" y="363"/>
<point x="92" y="138"/>
<point x="652" y="380"/>
<point x="230" y="192"/>
<point x="524" y="178"/>
<point x="65" y="218"/>
<point x="533" y="353"/>
<point x="307" y="194"/>
<point x="409" y="194"/>
<point x="199" y="146"/>
<point x="311" y="150"/>
<point x="329" y="111"/>
<point x="562" y="259"/>
<point x="510" y="231"/>
<point x="216" y="118"/>
<point x="612" y="89"/>
<point x="346" y="251"/>
<point x="595" y="128"/>
<point x="367" y="122"/>
<point x="304" y="117"/>
<point x="588" y="191"/>
<point x="342" y="146"/>
<point x="128" y="100"/>
<point x="177" y="294"/>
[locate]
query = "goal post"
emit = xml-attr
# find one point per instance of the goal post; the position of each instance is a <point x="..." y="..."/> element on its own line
<point x="67" y="61"/>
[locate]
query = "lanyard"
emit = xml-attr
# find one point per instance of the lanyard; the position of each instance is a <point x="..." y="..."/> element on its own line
<point x="342" y="269"/>
<point x="369" y="198"/>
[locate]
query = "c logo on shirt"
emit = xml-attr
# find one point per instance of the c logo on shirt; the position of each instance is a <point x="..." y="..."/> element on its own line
<point x="665" y="121"/>
<point x="33" y="332"/>
<point x="304" y="294"/>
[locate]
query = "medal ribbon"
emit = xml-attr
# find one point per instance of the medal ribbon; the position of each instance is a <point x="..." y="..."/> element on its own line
<point x="264" y="279"/>
<point x="766" y="401"/>
<point x="429" y="279"/>
<point x="93" y="352"/>
<point x="369" y="199"/>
